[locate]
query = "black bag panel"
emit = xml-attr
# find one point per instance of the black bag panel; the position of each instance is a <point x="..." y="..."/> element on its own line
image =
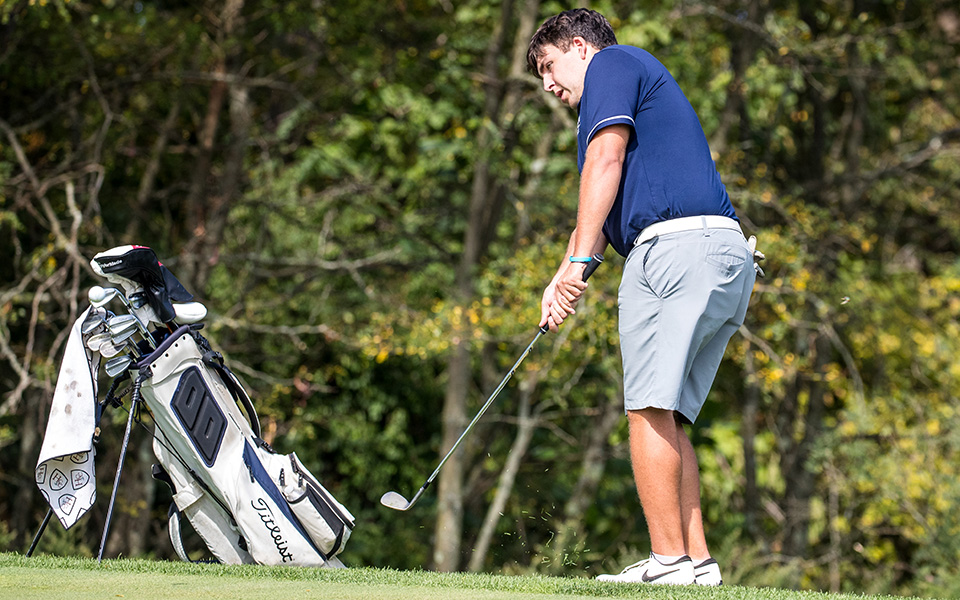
<point x="200" y="416"/>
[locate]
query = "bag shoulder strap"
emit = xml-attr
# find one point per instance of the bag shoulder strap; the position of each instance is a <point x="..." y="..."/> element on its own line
<point x="214" y="360"/>
<point x="176" y="535"/>
<point x="173" y="514"/>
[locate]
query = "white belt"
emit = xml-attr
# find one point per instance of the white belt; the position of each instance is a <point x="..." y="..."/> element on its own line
<point x="704" y="222"/>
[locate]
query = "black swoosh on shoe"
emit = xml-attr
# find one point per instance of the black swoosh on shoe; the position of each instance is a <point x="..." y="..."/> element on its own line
<point x="647" y="579"/>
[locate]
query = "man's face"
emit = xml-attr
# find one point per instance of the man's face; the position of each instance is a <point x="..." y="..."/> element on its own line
<point x="563" y="73"/>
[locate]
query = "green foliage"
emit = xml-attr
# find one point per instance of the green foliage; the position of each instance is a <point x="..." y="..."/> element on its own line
<point x="333" y="286"/>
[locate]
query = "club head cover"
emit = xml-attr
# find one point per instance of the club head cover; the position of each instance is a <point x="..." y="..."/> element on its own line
<point x="140" y="265"/>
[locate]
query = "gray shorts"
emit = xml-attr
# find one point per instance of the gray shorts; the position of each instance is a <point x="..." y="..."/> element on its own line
<point x="682" y="297"/>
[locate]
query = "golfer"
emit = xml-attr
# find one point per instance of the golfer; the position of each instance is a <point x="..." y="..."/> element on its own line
<point x="650" y="189"/>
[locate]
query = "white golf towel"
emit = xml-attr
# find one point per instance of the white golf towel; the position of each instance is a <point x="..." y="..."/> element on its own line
<point x="65" y="471"/>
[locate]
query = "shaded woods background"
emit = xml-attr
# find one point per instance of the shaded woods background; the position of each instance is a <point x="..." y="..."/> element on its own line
<point x="369" y="197"/>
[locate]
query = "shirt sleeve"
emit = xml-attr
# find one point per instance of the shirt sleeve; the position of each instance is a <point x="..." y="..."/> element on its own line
<point x="612" y="91"/>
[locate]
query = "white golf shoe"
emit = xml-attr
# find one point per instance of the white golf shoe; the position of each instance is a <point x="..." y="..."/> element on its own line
<point x="652" y="571"/>
<point x="708" y="573"/>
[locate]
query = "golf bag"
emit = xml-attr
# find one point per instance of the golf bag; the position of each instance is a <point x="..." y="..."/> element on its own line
<point x="248" y="503"/>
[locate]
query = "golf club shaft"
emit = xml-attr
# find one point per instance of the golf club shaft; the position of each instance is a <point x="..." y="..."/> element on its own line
<point x="591" y="267"/>
<point x="483" y="409"/>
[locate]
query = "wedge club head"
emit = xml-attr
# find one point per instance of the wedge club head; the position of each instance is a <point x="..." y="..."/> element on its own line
<point x="96" y="340"/>
<point x="108" y="349"/>
<point x="117" y="365"/>
<point x="396" y="501"/>
<point x="94" y="319"/>
<point x="138" y="299"/>
<point x="121" y="337"/>
<point x="122" y="323"/>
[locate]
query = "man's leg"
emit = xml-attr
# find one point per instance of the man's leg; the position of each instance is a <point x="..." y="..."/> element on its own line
<point x="656" y="454"/>
<point x="694" y="539"/>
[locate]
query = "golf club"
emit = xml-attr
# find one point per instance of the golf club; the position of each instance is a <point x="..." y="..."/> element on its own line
<point x="118" y="365"/>
<point x="109" y="348"/>
<point x="94" y="319"/>
<point x="396" y="501"/>
<point x="109" y="344"/>
<point x="96" y="340"/>
<point x="122" y="324"/>
<point x="138" y="299"/>
<point x="189" y="312"/>
<point x="99" y="296"/>
<point x="122" y="338"/>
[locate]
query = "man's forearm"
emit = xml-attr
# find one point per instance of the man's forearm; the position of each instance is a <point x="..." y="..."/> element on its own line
<point x="571" y="245"/>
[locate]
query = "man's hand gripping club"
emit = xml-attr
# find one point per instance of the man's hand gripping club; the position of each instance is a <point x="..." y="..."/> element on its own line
<point x="560" y="298"/>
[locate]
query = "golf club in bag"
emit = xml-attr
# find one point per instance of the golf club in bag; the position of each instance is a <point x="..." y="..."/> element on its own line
<point x="248" y="503"/>
<point x="395" y="500"/>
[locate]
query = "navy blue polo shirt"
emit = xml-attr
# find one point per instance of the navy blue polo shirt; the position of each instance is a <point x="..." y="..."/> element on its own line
<point x="668" y="171"/>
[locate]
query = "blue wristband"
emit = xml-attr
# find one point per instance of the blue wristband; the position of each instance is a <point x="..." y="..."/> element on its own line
<point x="581" y="259"/>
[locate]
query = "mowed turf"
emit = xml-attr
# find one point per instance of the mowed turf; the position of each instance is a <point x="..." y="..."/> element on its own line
<point x="56" y="578"/>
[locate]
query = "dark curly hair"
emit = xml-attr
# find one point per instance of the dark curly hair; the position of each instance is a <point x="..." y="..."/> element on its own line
<point x="559" y="30"/>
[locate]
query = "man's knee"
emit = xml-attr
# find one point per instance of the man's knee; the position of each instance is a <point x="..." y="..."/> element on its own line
<point x="653" y="416"/>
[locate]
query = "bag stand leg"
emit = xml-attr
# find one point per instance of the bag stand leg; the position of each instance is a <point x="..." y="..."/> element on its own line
<point x="40" y="531"/>
<point x="134" y="407"/>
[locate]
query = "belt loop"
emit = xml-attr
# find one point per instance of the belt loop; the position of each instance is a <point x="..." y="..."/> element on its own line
<point x="706" y="232"/>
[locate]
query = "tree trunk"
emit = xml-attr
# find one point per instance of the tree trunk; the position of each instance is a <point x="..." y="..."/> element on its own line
<point x="742" y="49"/>
<point x="240" y="121"/>
<point x="31" y="437"/>
<point x="526" y="425"/>
<point x="592" y="467"/>
<point x="484" y="208"/>
<point x="149" y="178"/>
<point x="200" y="210"/>
<point x="799" y="478"/>
<point x="751" y="402"/>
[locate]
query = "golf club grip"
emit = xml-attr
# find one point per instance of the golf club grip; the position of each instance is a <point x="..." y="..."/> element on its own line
<point x="591" y="267"/>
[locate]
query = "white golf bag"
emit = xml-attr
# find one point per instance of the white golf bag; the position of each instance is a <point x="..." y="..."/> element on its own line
<point x="248" y="503"/>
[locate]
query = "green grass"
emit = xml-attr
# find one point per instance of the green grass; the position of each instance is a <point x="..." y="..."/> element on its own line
<point x="55" y="578"/>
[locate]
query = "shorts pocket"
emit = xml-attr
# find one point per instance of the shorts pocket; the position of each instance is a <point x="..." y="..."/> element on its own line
<point x="727" y="263"/>
<point x="643" y="263"/>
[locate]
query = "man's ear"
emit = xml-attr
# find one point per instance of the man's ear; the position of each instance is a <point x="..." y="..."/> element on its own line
<point x="580" y="45"/>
